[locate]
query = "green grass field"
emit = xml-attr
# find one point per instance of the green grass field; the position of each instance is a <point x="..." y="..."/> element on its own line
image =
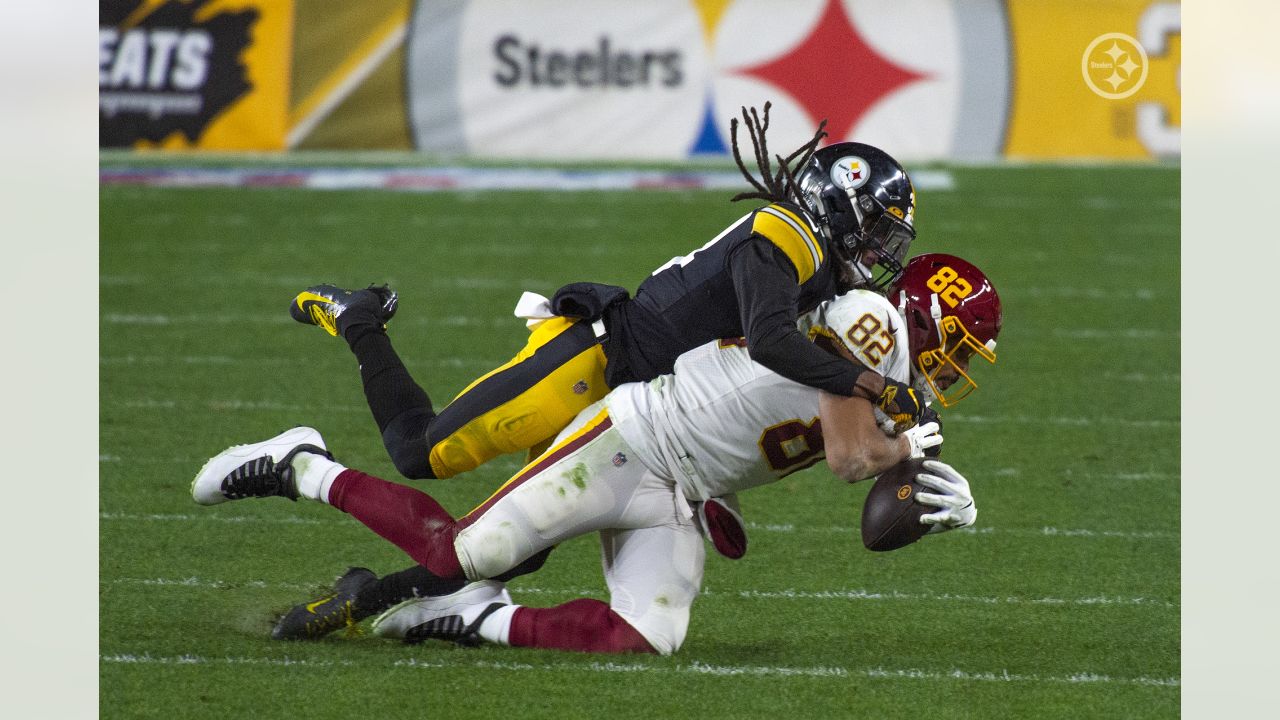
<point x="1062" y="602"/>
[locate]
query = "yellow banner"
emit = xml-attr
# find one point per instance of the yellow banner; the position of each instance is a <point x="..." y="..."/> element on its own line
<point x="1095" y="78"/>
<point x="208" y="74"/>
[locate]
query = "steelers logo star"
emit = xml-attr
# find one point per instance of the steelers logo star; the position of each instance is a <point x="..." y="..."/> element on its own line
<point x="1114" y="66"/>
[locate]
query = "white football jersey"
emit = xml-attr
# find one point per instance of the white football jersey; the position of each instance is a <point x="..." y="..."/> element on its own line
<point x="869" y="326"/>
<point x="723" y="423"/>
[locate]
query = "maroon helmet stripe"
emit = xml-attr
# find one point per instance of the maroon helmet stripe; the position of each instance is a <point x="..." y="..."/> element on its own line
<point x="531" y="471"/>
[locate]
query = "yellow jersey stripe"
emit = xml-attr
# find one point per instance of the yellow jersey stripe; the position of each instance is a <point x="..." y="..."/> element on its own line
<point x="792" y="236"/>
<point x="806" y="230"/>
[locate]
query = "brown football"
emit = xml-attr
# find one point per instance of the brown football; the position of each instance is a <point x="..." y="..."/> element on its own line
<point x="891" y="515"/>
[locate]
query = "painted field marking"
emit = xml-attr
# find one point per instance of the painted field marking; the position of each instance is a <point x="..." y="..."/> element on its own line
<point x="1046" y="531"/>
<point x="1100" y="600"/>
<point x="787" y="594"/>
<point x="693" y="668"/>
<point x="763" y="527"/>
<point x="199" y="322"/>
<point x="245" y="404"/>
<point x="444" y="179"/>
<point x="1079" y="293"/>
<point x="150" y="361"/>
<point x="180" y="517"/>
<point x="481" y="282"/>
<point x="1086" y="422"/>
<point x="1137" y="377"/>
<point x="1114" y="334"/>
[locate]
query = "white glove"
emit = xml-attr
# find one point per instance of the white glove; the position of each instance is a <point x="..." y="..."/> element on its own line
<point x="923" y="437"/>
<point x="955" y="499"/>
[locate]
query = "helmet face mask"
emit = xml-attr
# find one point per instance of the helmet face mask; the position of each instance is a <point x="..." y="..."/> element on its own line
<point x="881" y="251"/>
<point x="945" y="369"/>
<point x="953" y="314"/>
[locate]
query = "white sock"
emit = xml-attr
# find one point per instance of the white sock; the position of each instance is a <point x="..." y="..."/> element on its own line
<point x="314" y="475"/>
<point x="497" y="627"/>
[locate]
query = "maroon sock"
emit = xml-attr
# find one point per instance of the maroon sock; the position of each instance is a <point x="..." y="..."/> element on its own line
<point x="409" y="518"/>
<point x="584" y="625"/>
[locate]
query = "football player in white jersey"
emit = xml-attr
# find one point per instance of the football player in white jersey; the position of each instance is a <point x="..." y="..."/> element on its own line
<point x="634" y="466"/>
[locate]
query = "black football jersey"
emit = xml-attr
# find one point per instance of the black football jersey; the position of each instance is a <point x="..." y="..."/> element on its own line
<point x="752" y="280"/>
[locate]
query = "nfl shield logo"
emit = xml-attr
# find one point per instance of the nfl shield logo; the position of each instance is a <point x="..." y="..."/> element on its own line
<point x="580" y="387"/>
<point x="619" y="460"/>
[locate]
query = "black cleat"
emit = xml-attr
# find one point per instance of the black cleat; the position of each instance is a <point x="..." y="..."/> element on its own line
<point x="314" y="620"/>
<point x="323" y="305"/>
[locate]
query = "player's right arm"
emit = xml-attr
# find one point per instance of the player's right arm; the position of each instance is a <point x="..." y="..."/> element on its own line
<point x="855" y="445"/>
<point x="765" y="282"/>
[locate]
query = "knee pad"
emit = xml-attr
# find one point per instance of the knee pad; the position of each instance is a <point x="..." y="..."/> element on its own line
<point x="664" y="635"/>
<point x="664" y="624"/>
<point x="405" y="438"/>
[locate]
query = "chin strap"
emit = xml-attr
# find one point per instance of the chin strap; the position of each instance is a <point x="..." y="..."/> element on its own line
<point x="823" y="218"/>
<point x="935" y="311"/>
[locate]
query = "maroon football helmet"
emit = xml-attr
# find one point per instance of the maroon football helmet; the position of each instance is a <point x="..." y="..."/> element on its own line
<point x="953" y="314"/>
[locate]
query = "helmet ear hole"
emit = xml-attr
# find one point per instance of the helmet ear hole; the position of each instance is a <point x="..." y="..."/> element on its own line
<point x="919" y="319"/>
<point x="918" y="329"/>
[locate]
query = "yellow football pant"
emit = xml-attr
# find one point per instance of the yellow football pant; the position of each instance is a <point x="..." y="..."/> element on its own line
<point x="522" y="404"/>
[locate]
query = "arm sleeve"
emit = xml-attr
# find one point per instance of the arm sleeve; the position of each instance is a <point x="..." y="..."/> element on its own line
<point x="765" y="283"/>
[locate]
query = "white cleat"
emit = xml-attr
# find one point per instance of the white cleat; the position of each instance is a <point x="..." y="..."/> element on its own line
<point x="259" y="470"/>
<point x="455" y="617"/>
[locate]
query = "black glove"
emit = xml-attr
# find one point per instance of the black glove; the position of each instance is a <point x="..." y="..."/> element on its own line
<point x="901" y="404"/>
<point x="928" y="415"/>
<point x="586" y="301"/>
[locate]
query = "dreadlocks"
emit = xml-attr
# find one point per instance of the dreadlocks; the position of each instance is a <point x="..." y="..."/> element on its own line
<point x="773" y="186"/>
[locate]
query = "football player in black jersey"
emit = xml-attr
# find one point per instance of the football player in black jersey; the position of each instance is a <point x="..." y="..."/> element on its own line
<point x="835" y="218"/>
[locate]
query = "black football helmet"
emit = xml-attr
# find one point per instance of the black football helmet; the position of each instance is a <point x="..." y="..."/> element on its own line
<point x="865" y="206"/>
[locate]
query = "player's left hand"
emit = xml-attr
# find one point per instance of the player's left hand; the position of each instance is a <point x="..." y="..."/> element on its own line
<point x="922" y="438"/>
<point x="953" y="497"/>
<point x="900" y="402"/>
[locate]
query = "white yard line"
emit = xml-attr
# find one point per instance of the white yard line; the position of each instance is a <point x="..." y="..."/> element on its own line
<point x="464" y="282"/>
<point x="786" y="594"/>
<point x="693" y="668"/>
<point x="449" y="179"/>
<point x="1137" y="377"/>
<point x="1101" y="421"/>
<point x="201" y="321"/>
<point x="1079" y="293"/>
<point x="180" y="517"/>
<point x="783" y="528"/>
<point x="1086" y="422"/>
<point x="1115" y="333"/>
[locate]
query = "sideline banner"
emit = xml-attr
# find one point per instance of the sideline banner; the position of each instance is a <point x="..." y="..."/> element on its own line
<point x="604" y="79"/>
<point x="210" y="74"/>
<point x="930" y="79"/>
<point x="565" y="80"/>
<point x="1095" y="78"/>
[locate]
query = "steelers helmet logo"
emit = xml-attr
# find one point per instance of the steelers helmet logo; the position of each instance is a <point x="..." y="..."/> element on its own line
<point x="850" y="172"/>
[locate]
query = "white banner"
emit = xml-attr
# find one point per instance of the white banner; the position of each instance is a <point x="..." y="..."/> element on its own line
<point x="615" y="79"/>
